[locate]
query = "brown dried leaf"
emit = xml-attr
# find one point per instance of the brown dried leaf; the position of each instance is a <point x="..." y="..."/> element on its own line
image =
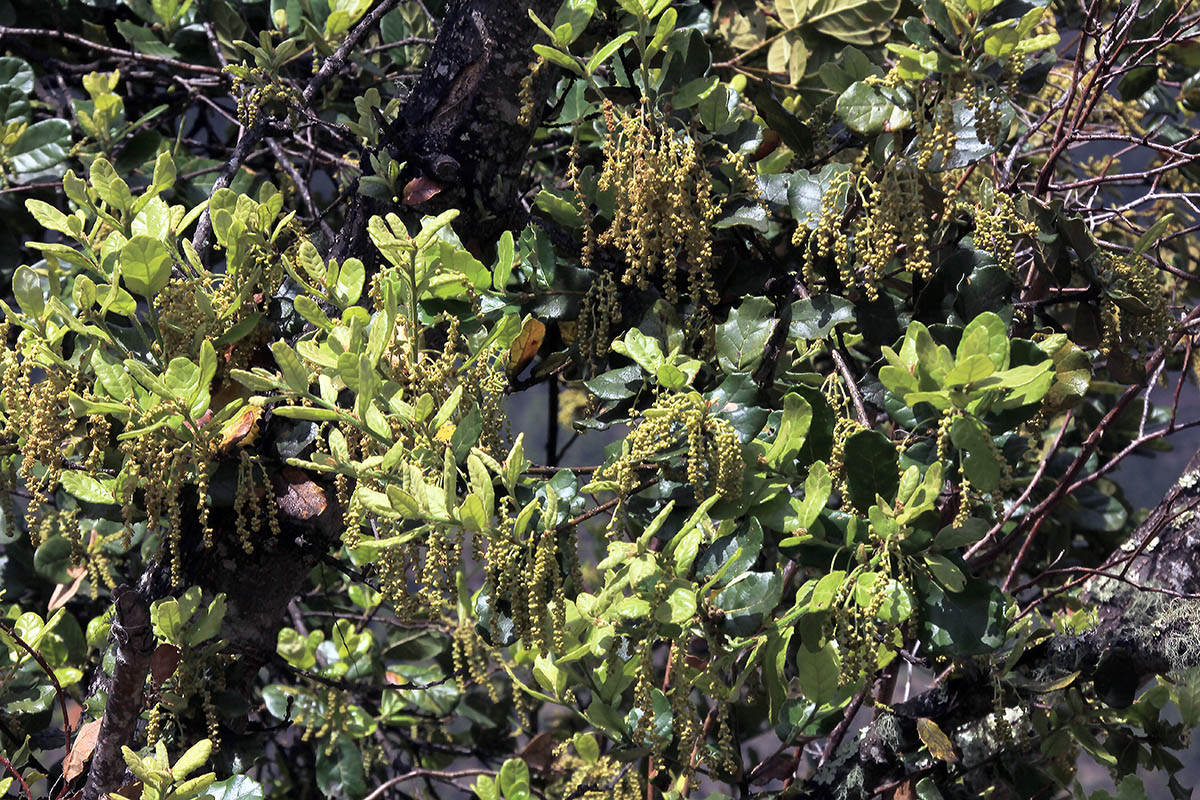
<point x="420" y="189"/>
<point x="239" y="428"/>
<point x="776" y="768"/>
<point x="298" y="495"/>
<point x="525" y="346"/>
<point x="539" y="753"/>
<point x="131" y="790"/>
<point x="81" y="750"/>
<point x="936" y="740"/>
<point x="163" y="664"/>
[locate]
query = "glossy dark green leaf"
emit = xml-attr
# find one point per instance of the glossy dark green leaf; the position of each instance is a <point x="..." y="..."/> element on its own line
<point x="815" y="317"/>
<point x="965" y="623"/>
<point x="742" y="339"/>
<point x="725" y="550"/>
<point x="865" y="109"/>
<point x="747" y="601"/>
<point x="15" y="73"/>
<point x="616" y="384"/>
<point x="43" y="145"/>
<point x="341" y="772"/>
<point x="872" y="468"/>
<point x="981" y="461"/>
<point x="237" y="787"/>
<point x="52" y="559"/>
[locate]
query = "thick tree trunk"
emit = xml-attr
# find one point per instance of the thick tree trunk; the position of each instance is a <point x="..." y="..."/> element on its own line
<point x="135" y="645"/>
<point x="459" y="127"/>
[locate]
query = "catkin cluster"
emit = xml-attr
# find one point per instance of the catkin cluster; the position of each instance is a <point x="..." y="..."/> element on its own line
<point x="664" y="204"/>
<point x="1134" y="311"/>
<point x="997" y="229"/>
<point x="714" y="455"/>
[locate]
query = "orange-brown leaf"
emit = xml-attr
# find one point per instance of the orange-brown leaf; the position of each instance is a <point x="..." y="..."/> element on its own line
<point x="420" y="189"/>
<point x="65" y="591"/>
<point x="81" y="750"/>
<point x="539" y="753"/>
<point x="298" y="495"/>
<point x="240" y="427"/>
<point x="163" y="664"/>
<point x="525" y="346"/>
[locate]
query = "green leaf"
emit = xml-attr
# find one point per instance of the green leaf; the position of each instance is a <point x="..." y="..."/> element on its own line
<point x="16" y="74"/>
<point x="43" y="145"/>
<point x="965" y="623"/>
<point x="606" y="52"/>
<point x="817" y="488"/>
<point x="971" y="531"/>
<point x="968" y="371"/>
<point x="865" y="110"/>
<point x="872" y="468"/>
<point x="111" y="188"/>
<point x="52" y="560"/>
<point x="513" y="778"/>
<point x="341" y="773"/>
<point x="815" y="317"/>
<point x="747" y="600"/>
<point x="981" y="461"/>
<point x="694" y="91"/>
<point x="818" y="673"/>
<point x="192" y="760"/>
<point x="969" y="145"/>
<point x="86" y="488"/>
<point x="793" y="428"/>
<point x="27" y="288"/>
<point x="295" y="374"/>
<point x="853" y="21"/>
<point x="616" y="384"/>
<point x="792" y="12"/>
<point x="806" y="196"/>
<point x="556" y="56"/>
<point x="350" y="282"/>
<point x="49" y="217"/>
<point x="945" y="572"/>
<point x="645" y="351"/>
<point x="742" y="339"/>
<point x="1147" y="239"/>
<point x="145" y="266"/>
<point x="505" y="257"/>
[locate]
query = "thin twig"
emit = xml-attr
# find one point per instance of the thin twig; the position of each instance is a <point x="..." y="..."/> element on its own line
<point x="43" y="33"/>
<point x="41" y="662"/>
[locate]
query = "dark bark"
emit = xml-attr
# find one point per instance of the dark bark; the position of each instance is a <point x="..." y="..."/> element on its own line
<point x="459" y="126"/>
<point x="135" y="644"/>
<point x="259" y="585"/>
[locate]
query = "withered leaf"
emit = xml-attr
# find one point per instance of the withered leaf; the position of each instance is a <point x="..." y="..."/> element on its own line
<point x="420" y="189"/>
<point x="936" y="740"/>
<point x="241" y="426"/>
<point x="298" y="495"/>
<point x="525" y="346"/>
<point x="163" y="663"/>
<point x="81" y="750"/>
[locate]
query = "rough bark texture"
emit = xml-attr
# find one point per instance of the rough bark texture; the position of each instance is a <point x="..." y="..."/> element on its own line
<point x="135" y="645"/>
<point x="1165" y="550"/>
<point x="459" y="126"/>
